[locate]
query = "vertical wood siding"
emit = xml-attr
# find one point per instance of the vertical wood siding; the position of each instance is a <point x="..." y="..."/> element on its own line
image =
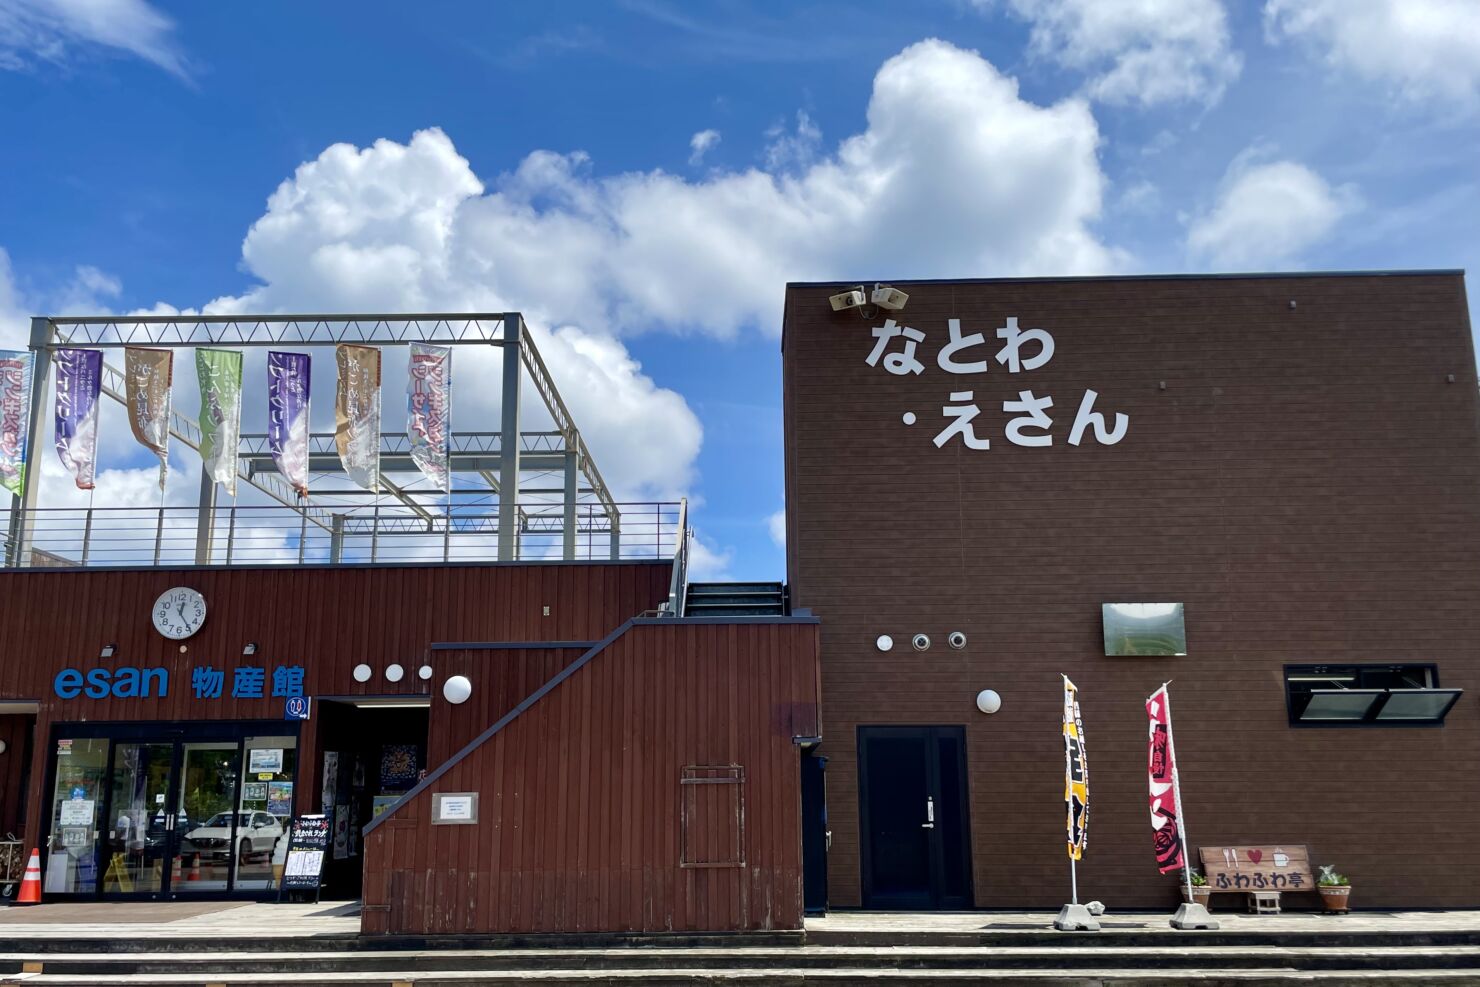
<point x="581" y="801"/>
<point x="326" y="619"/>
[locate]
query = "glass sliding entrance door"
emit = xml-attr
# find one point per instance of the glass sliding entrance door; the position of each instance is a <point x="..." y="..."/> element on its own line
<point x="80" y="767"/>
<point x="169" y="810"/>
<point x="205" y="817"/>
<point x="136" y="847"/>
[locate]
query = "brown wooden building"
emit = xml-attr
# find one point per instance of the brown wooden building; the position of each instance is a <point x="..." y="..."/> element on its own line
<point x="1298" y="466"/>
<point x="648" y="767"/>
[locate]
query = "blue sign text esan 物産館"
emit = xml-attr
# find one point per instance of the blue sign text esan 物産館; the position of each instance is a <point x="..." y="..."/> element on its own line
<point x="121" y="683"/>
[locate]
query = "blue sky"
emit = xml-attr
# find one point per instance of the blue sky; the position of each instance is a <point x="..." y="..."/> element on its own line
<point x="641" y="178"/>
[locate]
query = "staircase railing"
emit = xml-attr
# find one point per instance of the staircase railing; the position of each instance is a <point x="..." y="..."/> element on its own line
<point x="678" y="583"/>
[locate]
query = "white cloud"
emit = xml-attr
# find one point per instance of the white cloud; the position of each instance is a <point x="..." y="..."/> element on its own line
<point x="954" y="176"/>
<point x="47" y="30"/>
<point x="776" y="523"/>
<point x="1147" y="52"/>
<point x="954" y="166"/>
<point x="1267" y="214"/>
<point x="708" y="563"/>
<point x="700" y="144"/>
<point x="793" y="150"/>
<point x="1423" y="49"/>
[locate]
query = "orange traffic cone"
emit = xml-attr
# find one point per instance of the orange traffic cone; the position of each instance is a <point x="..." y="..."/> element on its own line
<point x="31" y="883"/>
<point x="194" y="874"/>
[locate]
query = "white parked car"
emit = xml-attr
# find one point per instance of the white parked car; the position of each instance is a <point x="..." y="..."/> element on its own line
<point x="256" y="832"/>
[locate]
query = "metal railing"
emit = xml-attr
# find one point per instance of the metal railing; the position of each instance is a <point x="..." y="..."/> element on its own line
<point x="678" y="583"/>
<point x="386" y="533"/>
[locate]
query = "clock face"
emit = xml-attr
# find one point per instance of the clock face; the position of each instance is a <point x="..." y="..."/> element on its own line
<point x="179" y="613"/>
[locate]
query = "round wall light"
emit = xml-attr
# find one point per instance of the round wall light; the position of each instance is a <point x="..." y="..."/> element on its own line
<point x="921" y="642"/>
<point x="457" y="689"/>
<point x="424" y="672"/>
<point x="884" y="643"/>
<point x="394" y="673"/>
<point x="3" y="746"/>
<point x="988" y="701"/>
<point x="362" y="673"/>
<point x="957" y="640"/>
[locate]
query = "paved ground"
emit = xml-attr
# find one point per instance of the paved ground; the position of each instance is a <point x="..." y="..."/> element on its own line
<point x="265" y="920"/>
<point x="1228" y="920"/>
<point x="254" y="920"/>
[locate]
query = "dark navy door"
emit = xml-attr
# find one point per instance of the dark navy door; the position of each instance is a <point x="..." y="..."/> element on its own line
<point x="915" y="832"/>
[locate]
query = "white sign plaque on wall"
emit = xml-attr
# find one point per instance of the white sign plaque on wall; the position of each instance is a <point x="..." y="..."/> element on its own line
<point x="454" y="808"/>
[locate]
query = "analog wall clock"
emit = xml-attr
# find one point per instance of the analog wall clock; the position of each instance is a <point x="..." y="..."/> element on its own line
<point x="179" y="613"/>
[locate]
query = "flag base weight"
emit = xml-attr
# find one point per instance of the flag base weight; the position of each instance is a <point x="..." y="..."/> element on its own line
<point x="1076" y="918"/>
<point x="1193" y="916"/>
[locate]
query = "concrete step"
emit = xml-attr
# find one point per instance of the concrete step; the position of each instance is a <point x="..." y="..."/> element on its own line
<point x="925" y="961"/>
<point x="1143" y="977"/>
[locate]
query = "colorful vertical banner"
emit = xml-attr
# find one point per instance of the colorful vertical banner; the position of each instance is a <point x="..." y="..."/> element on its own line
<point x="148" y="375"/>
<point x="1162" y="774"/>
<point x="357" y="413"/>
<point x="1076" y="772"/>
<point x="428" y="407"/>
<point x="288" y="385"/>
<point x="15" y="417"/>
<point x="220" y="376"/>
<point x="79" y="382"/>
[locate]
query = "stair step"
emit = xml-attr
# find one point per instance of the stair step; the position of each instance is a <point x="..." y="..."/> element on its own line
<point x="812" y="959"/>
<point x="1143" y="977"/>
<point x="736" y="587"/>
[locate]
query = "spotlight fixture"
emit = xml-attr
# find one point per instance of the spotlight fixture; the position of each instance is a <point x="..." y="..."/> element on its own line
<point x="852" y="298"/>
<point x="888" y="297"/>
<point x="921" y="642"/>
<point x="107" y="651"/>
<point x="250" y="649"/>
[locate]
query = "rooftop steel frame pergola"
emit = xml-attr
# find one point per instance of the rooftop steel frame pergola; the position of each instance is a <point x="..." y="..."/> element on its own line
<point x="498" y="457"/>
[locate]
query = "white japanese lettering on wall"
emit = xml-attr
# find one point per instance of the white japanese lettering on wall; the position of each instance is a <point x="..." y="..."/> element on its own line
<point x="1022" y="351"/>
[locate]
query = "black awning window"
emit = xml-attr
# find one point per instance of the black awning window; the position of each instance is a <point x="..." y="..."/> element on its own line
<point x="1364" y="695"/>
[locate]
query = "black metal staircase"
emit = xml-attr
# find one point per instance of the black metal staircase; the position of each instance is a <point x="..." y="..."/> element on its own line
<point x="735" y="600"/>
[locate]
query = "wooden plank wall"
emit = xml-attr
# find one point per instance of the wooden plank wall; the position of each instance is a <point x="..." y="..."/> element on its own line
<point x="505" y="676"/>
<point x="327" y="619"/>
<point x="580" y="796"/>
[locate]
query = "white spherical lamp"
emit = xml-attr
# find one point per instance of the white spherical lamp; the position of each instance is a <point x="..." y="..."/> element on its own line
<point x="424" y="672"/>
<point x="362" y="673"/>
<point x="988" y="701"/>
<point x="457" y="689"/>
<point x="394" y="673"/>
<point x="884" y="642"/>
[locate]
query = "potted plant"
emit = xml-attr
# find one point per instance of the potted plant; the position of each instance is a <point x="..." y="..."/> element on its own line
<point x="1202" y="892"/>
<point x="1335" y="889"/>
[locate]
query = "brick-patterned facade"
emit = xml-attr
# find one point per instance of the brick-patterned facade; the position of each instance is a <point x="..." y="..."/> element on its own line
<point x="1302" y="470"/>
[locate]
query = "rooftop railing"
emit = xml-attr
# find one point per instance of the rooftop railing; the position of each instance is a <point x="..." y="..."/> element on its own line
<point x="389" y="533"/>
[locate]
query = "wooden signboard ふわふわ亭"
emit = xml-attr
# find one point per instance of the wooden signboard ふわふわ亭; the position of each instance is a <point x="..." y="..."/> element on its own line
<point x="1257" y="868"/>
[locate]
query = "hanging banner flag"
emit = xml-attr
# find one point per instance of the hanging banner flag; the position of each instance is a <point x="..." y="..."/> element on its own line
<point x="287" y="415"/>
<point x="79" y="382"/>
<point x="220" y="375"/>
<point x="357" y="413"/>
<point x="1167" y="827"/>
<point x="428" y="406"/>
<point x="148" y="374"/>
<point x="15" y="417"/>
<point x="1076" y="771"/>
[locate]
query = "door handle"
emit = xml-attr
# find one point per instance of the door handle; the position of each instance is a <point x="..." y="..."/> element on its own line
<point x="929" y="822"/>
